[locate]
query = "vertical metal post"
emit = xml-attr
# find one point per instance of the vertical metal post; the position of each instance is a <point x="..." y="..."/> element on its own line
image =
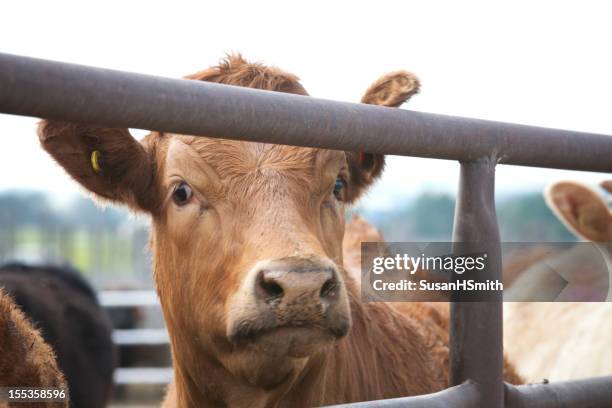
<point x="476" y="328"/>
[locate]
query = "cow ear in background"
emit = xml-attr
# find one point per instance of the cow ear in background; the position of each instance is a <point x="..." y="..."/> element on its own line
<point x="607" y="185"/>
<point x="581" y="209"/>
<point x="106" y="161"/>
<point x="390" y="90"/>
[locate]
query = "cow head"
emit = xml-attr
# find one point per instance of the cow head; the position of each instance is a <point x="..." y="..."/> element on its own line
<point x="247" y="237"/>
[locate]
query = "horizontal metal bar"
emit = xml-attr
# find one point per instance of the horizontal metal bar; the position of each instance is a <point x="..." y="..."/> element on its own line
<point x="128" y="298"/>
<point x="143" y="375"/>
<point x="465" y="395"/>
<point x="587" y="393"/>
<point x="145" y="337"/>
<point x="54" y="90"/>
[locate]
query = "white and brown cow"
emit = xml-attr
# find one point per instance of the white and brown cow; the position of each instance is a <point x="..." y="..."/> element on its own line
<point x="566" y="340"/>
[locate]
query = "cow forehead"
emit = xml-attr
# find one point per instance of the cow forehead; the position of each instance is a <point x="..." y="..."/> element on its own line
<point x="232" y="159"/>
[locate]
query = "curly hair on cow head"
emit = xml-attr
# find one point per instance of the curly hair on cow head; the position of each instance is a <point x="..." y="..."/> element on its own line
<point x="235" y="70"/>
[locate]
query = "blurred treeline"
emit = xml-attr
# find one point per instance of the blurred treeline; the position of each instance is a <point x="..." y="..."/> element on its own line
<point x="522" y="218"/>
<point x="110" y="246"/>
<point x="107" y="244"/>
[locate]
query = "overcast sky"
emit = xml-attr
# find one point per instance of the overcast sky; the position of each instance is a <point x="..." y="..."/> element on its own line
<point x="544" y="63"/>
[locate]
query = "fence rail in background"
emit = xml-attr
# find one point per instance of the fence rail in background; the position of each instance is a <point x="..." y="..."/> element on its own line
<point x="143" y="376"/>
<point x="41" y="88"/>
<point x="126" y="337"/>
<point x="114" y="298"/>
<point x="137" y="337"/>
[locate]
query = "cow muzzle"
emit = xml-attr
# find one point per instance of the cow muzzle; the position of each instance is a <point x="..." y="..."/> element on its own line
<point x="290" y="305"/>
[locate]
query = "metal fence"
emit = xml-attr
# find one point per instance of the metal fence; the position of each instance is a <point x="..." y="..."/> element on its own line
<point x="144" y="337"/>
<point x="40" y="88"/>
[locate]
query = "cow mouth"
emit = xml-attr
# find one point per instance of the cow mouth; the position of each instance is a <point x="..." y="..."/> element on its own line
<point x="295" y="339"/>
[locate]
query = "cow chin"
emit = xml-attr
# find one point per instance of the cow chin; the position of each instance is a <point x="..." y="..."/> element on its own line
<point x="291" y="341"/>
<point x="273" y="357"/>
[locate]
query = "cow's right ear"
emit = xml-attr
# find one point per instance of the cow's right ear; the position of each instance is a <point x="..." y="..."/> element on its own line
<point x="581" y="209"/>
<point x="106" y="161"/>
<point x="390" y="90"/>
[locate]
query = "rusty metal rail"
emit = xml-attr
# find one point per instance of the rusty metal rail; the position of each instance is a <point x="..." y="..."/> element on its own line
<point x="54" y="90"/>
<point x="587" y="393"/>
<point x="476" y="328"/>
<point x="41" y="88"/>
<point x="466" y="395"/>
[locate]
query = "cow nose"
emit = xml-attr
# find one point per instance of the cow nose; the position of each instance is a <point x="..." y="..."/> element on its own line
<point x="297" y="285"/>
<point x="303" y="296"/>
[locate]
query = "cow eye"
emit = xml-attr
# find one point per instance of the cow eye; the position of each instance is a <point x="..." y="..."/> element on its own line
<point x="182" y="194"/>
<point x="338" y="188"/>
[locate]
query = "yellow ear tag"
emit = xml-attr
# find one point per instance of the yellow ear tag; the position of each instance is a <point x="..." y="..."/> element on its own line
<point x="95" y="161"/>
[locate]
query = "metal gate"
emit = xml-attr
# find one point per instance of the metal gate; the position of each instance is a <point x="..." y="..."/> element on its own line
<point x="41" y="88"/>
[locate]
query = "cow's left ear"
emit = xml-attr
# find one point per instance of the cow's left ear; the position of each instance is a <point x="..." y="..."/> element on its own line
<point x="391" y="90"/>
<point x="581" y="209"/>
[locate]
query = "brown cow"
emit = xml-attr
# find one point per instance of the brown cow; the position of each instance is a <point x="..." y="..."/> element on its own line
<point x="247" y="244"/>
<point x="432" y="315"/>
<point x="25" y="359"/>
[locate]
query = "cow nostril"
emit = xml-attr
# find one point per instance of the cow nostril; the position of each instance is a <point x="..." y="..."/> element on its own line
<point x="270" y="288"/>
<point x="329" y="288"/>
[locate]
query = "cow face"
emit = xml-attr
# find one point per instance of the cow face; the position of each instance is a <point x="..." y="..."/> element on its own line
<point x="247" y="237"/>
